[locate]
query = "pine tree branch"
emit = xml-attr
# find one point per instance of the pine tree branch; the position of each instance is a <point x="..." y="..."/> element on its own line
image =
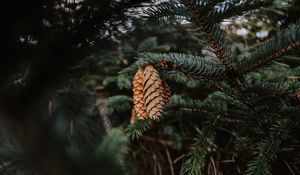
<point x="289" y="167"/>
<point x="268" y="150"/>
<point x="243" y="100"/>
<point x="233" y="8"/>
<point x="119" y="103"/>
<point x="272" y="88"/>
<point x="167" y="12"/>
<point x="137" y="129"/>
<point x="273" y="48"/>
<point x="186" y="66"/>
<point x="196" y="162"/>
<point x="212" y="33"/>
<point x="169" y="160"/>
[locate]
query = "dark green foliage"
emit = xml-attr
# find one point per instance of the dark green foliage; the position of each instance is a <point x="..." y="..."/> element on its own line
<point x="13" y="159"/>
<point x="235" y="101"/>
<point x="110" y="152"/>
<point x="267" y="152"/>
<point x="119" y="103"/>
<point x="203" y="145"/>
<point x="136" y="130"/>
<point x="216" y="102"/>
<point x="183" y="66"/>
<point x="272" y="88"/>
<point x="189" y="66"/>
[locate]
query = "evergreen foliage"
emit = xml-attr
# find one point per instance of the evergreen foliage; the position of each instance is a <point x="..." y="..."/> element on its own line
<point x="203" y="144"/>
<point x="13" y="159"/>
<point x="267" y="152"/>
<point x="188" y="65"/>
<point x="235" y="100"/>
<point x="119" y="103"/>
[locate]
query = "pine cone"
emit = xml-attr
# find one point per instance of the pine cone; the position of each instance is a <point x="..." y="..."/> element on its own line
<point x="150" y="93"/>
<point x="138" y="94"/>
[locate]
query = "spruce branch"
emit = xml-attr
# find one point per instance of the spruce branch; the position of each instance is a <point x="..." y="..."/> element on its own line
<point x="203" y="143"/>
<point x="189" y="66"/>
<point x="118" y="103"/>
<point x="137" y="129"/>
<point x="167" y="12"/>
<point x="272" y="88"/>
<point x="228" y="9"/>
<point x="110" y="152"/>
<point x="268" y="150"/>
<point x="186" y="103"/>
<point x="216" y="104"/>
<point x="212" y="33"/>
<point x="273" y="48"/>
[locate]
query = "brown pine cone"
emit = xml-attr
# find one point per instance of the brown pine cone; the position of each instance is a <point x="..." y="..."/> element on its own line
<point x="138" y="94"/>
<point x="150" y="93"/>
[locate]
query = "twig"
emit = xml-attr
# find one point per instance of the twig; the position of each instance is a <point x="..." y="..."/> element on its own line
<point x="159" y="169"/>
<point x="226" y="130"/>
<point x="230" y="160"/>
<point x="227" y="161"/>
<point x="179" y="158"/>
<point x="169" y="160"/>
<point x="294" y="77"/>
<point x="238" y="169"/>
<point x="288" y="166"/>
<point x="213" y="165"/>
<point x="155" y="164"/>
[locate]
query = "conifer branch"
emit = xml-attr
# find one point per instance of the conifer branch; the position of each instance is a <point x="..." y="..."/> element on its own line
<point x="137" y="129"/>
<point x="212" y="33"/>
<point x="273" y="48"/>
<point x="233" y="8"/>
<point x="186" y="103"/>
<point x="167" y="13"/>
<point x="272" y="88"/>
<point x="216" y="102"/>
<point x="189" y="66"/>
<point x="203" y="142"/>
<point x="268" y="150"/>
<point x="118" y="103"/>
